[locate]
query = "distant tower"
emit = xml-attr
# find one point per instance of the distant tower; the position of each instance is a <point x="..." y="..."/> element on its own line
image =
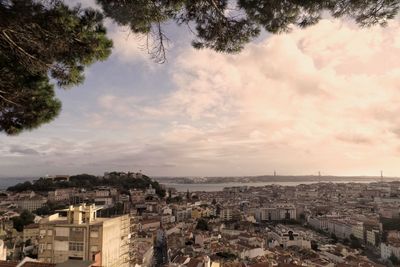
<point x="275" y="173"/>
<point x="319" y="177"/>
<point x="187" y="195"/>
<point x="381" y="176"/>
<point x="160" y="251"/>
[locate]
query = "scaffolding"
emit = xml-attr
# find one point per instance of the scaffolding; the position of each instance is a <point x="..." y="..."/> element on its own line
<point x="125" y="241"/>
<point x="133" y="236"/>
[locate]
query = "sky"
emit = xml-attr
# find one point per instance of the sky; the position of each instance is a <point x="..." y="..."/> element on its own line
<point x="325" y="98"/>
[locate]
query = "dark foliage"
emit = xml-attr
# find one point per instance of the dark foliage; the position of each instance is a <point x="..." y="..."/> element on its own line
<point x="117" y="209"/>
<point x="390" y="224"/>
<point x="49" y="208"/>
<point x="226" y="26"/>
<point x="39" y="41"/>
<point x="314" y="245"/>
<point x="394" y="259"/>
<point x="226" y="255"/>
<point x="355" y="242"/>
<point x="202" y="225"/>
<point x="177" y="199"/>
<point x="334" y="238"/>
<point x="22" y="220"/>
<point x="88" y="181"/>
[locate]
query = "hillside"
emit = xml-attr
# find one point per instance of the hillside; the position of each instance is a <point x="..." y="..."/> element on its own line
<point x="87" y="181"/>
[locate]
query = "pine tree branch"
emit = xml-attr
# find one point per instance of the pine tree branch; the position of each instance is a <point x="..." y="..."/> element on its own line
<point x="10" y="41"/>
<point x="9" y="101"/>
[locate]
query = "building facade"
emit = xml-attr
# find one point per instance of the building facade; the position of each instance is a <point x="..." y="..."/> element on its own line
<point x="81" y="235"/>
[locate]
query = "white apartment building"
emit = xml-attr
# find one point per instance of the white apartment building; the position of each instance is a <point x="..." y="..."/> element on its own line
<point x="358" y="230"/>
<point x="182" y="213"/>
<point x="319" y="223"/>
<point x="102" y="193"/>
<point x="286" y="237"/>
<point x="226" y="214"/>
<point x="3" y="251"/>
<point x="341" y="229"/>
<point x="388" y="249"/>
<point x="276" y="213"/>
<point x="372" y="237"/>
<point x="82" y="235"/>
<point x="31" y="232"/>
<point x="30" y="203"/>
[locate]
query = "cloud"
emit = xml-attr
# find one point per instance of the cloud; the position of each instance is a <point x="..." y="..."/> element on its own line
<point x="355" y="139"/>
<point x="324" y="98"/>
<point x="129" y="48"/>
<point x="125" y="108"/>
<point x="22" y="150"/>
<point x="296" y="101"/>
<point x="83" y="3"/>
<point x="314" y="92"/>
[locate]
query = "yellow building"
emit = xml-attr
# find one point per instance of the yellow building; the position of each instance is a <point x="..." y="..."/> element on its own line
<point x="81" y="235"/>
<point x="197" y="213"/>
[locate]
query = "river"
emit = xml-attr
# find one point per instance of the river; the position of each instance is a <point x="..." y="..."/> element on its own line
<point x="218" y="187"/>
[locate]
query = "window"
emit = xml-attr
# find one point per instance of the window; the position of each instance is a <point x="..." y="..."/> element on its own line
<point x="49" y="232"/>
<point x="62" y="231"/>
<point x="75" y="258"/>
<point x="94" y="234"/>
<point x="49" y="246"/>
<point x="75" y="246"/>
<point x="60" y="245"/>
<point x="94" y="248"/>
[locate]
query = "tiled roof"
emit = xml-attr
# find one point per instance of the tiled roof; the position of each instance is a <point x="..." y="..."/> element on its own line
<point x="32" y="226"/>
<point x="260" y="264"/>
<point x="8" y="263"/>
<point x="72" y="263"/>
<point x="26" y="264"/>
<point x="37" y="264"/>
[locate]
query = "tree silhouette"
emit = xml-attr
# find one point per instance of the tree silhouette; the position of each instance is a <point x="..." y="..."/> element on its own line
<point x="39" y="41"/>
<point x="226" y="26"/>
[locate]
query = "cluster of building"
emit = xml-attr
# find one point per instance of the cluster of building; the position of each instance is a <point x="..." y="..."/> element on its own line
<point x="321" y="224"/>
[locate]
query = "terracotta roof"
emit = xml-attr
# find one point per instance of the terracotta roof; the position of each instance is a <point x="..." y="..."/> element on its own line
<point x="8" y="263"/>
<point x="149" y="221"/>
<point x="260" y="264"/>
<point x="194" y="263"/>
<point x="180" y="259"/>
<point x="73" y="263"/>
<point x="37" y="264"/>
<point x="31" y="226"/>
